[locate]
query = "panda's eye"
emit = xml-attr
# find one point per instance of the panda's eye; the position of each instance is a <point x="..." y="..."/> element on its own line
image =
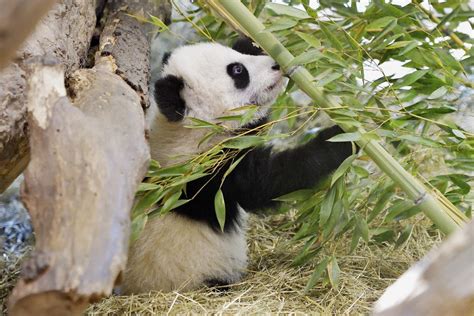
<point x="237" y="69"/>
<point x="239" y="74"/>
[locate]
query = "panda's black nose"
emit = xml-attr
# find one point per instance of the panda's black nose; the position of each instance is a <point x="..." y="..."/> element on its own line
<point x="276" y="67"/>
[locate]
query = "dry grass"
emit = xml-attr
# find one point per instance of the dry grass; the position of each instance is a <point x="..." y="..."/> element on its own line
<point x="9" y="272"/>
<point x="274" y="286"/>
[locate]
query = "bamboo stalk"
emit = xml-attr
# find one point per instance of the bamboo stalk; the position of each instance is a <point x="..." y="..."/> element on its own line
<point x="237" y="14"/>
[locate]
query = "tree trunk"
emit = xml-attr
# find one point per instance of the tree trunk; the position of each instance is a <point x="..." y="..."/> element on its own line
<point x="17" y="21"/>
<point x="88" y="155"/>
<point x="65" y="33"/>
<point x="442" y="283"/>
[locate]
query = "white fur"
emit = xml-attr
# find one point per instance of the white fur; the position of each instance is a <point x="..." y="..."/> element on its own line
<point x="174" y="252"/>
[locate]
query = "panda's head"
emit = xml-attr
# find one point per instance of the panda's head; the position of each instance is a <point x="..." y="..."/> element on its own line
<point x="207" y="80"/>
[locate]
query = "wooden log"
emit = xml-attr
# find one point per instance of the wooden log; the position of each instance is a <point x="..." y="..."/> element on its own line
<point x="65" y="32"/>
<point x="89" y="154"/>
<point x="87" y="161"/>
<point x="17" y="20"/>
<point x="127" y="40"/>
<point x="442" y="283"/>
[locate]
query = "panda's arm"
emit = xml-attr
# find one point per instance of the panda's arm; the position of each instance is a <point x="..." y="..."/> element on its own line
<point x="262" y="176"/>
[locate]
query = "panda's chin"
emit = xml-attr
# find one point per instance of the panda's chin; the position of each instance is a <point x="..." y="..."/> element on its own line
<point x="269" y="94"/>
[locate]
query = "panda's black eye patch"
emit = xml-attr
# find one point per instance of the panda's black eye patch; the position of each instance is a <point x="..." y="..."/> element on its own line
<point x="239" y="74"/>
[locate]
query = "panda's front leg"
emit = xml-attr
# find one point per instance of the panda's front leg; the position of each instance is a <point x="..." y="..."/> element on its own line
<point x="262" y="176"/>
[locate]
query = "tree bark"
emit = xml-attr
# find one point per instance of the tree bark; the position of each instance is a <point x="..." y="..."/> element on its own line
<point x="17" y="21"/>
<point x="65" y="33"/>
<point x="442" y="283"/>
<point x="88" y="155"/>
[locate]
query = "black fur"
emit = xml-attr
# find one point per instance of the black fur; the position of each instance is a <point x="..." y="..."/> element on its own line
<point x="218" y="285"/>
<point x="252" y="125"/>
<point x="166" y="56"/>
<point x="262" y="176"/>
<point x="244" y="45"/>
<point x="168" y="98"/>
<point x="242" y="79"/>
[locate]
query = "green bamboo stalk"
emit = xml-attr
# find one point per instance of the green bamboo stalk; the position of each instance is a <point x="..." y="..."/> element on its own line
<point x="239" y="16"/>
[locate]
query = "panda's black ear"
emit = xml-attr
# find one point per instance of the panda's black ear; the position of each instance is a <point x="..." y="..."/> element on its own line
<point x="167" y="96"/>
<point x="244" y="45"/>
<point x="166" y="56"/>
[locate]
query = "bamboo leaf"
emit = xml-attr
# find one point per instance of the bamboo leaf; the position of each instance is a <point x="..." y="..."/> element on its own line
<point x="310" y="39"/>
<point x="408" y="48"/>
<point x="363" y="228"/>
<point x="383" y="35"/>
<point x="397" y="208"/>
<point x="330" y="36"/>
<point x="410" y="78"/>
<point x="336" y="212"/>
<point x="300" y="195"/>
<point x="458" y="133"/>
<point x="306" y="58"/>
<point x="219" y="205"/>
<point x="328" y="79"/>
<point x="281" y="9"/>
<point x="382" y="234"/>
<point x="157" y="21"/>
<point x="326" y="206"/>
<point x="147" y="187"/>
<point x="281" y="24"/>
<point x="232" y="167"/>
<point x="243" y="142"/>
<point x="379" y="24"/>
<point x="404" y="236"/>
<point x="187" y="178"/>
<point x="148" y="200"/>
<point x="317" y="274"/>
<point x="361" y="172"/>
<point x="333" y="272"/>
<point x="355" y="240"/>
<point x="382" y="202"/>
<point x="171" y="203"/>
<point x="345" y="137"/>
<point x="177" y="170"/>
<point x="138" y="224"/>
<point x="342" y="169"/>
<point x="438" y="93"/>
<point x="421" y="140"/>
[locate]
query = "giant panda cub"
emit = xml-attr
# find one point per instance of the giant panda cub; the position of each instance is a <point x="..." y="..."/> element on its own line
<point x="186" y="248"/>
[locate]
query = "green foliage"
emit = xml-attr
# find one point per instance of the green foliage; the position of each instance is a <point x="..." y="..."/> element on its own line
<point x="412" y="113"/>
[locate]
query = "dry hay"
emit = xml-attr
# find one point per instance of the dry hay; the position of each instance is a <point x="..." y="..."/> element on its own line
<point x="272" y="284"/>
<point x="9" y="271"/>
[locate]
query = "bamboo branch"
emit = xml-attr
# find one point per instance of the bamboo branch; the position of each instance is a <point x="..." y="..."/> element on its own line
<point x="238" y="14"/>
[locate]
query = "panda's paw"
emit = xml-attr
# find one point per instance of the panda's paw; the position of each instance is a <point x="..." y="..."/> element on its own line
<point x="338" y="151"/>
<point x="218" y="285"/>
